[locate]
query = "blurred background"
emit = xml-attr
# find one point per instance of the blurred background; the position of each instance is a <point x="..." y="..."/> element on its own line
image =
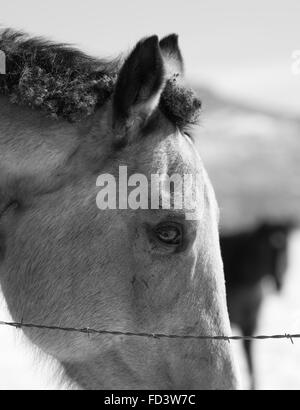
<point x="241" y="57"/>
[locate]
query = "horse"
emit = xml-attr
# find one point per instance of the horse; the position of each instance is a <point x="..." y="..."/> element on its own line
<point x="250" y="258"/>
<point x="65" y="119"/>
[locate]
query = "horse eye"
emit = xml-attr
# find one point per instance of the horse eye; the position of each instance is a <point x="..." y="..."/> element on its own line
<point x="169" y="234"/>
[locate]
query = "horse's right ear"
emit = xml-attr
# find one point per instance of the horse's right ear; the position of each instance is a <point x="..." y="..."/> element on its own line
<point x="172" y="55"/>
<point x="140" y="84"/>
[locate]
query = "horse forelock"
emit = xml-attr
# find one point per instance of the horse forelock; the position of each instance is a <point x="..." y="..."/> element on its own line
<point x="64" y="82"/>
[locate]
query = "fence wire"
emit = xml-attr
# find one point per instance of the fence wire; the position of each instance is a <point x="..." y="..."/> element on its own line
<point x="90" y="331"/>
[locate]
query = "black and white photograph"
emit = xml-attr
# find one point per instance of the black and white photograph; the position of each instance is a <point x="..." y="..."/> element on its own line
<point x="149" y="197"/>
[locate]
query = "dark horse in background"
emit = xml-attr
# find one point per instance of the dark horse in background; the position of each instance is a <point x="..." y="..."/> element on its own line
<point x="249" y="259"/>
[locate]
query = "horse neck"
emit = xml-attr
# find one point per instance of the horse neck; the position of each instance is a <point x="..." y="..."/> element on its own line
<point x="34" y="146"/>
<point x="26" y="132"/>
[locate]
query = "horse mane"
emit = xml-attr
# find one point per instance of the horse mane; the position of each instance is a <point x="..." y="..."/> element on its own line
<point x="66" y="83"/>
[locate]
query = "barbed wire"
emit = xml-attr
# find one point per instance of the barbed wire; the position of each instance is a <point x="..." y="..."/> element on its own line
<point x="91" y="331"/>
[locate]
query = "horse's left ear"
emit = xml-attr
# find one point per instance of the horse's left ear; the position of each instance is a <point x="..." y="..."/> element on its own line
<point x="172" y="55"/>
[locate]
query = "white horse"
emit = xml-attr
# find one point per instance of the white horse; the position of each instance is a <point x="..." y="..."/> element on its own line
<point x="65" y="118"/>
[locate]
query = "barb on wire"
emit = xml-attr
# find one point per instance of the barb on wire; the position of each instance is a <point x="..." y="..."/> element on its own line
<point x="90" y="331"/>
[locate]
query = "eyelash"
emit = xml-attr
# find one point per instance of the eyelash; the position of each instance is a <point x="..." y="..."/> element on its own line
<point x="168" y="227"/>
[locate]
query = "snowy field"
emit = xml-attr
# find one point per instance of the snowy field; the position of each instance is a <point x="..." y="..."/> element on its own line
<point x="277" y="362"/>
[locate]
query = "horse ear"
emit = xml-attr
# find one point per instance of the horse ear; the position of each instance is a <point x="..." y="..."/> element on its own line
<point x="140" y="83"/>
<point x="172" y="55"/>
